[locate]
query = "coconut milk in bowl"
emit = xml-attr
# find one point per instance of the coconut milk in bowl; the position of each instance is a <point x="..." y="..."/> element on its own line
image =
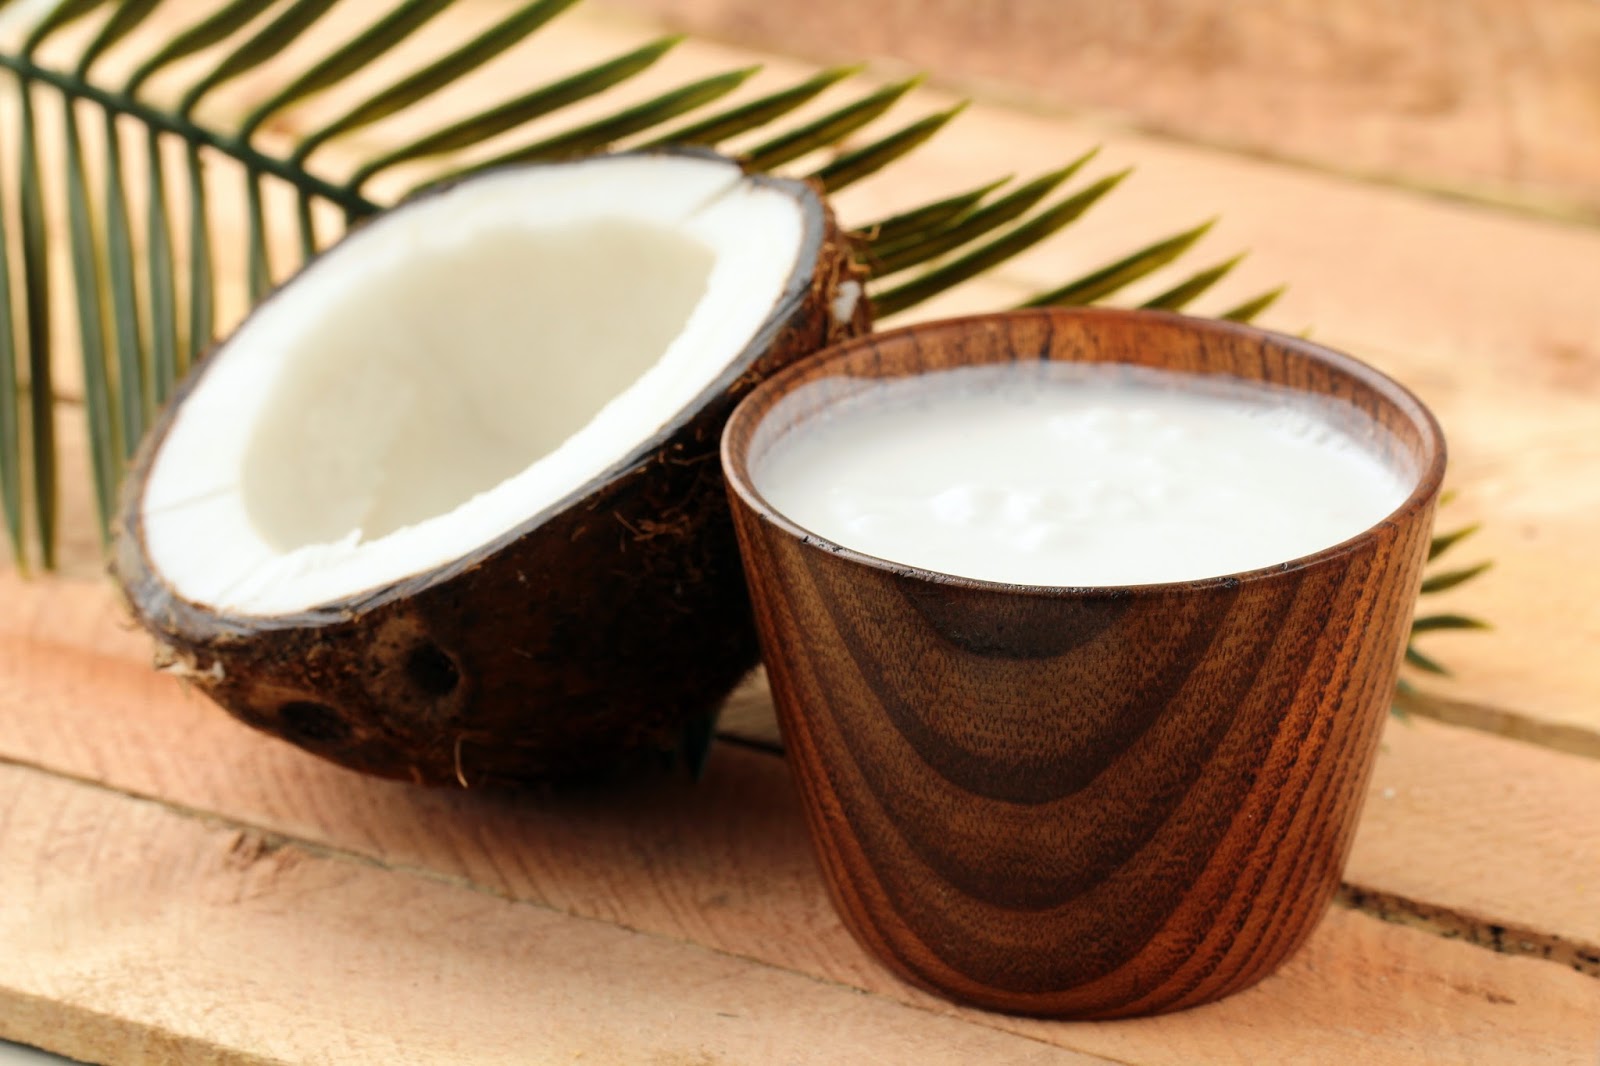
<point x="1059" y="473"/>
<point x="1081" y="627"/>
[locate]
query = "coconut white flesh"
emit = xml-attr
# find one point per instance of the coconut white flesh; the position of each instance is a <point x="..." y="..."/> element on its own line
<point x="454" y="368"/>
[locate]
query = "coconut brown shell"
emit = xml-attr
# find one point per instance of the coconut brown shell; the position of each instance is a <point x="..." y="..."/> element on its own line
<point x="578" y="644"/>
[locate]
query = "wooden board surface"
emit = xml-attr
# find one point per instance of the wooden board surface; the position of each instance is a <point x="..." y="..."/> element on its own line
<point x="141" y="934"/>
<point x="189" y="891"/>
<point x="1496" y="98"/>
<point x="1438" y="794"/>
<point x="722" y="865"/>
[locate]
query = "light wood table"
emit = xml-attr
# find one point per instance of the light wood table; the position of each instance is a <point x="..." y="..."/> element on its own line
<point x="175" y="888"/>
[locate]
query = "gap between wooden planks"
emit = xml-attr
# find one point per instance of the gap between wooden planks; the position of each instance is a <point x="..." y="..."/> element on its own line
<point x="1465" y="836"/>
<point x="723" y="865"/>
<point x="139" y="934"/>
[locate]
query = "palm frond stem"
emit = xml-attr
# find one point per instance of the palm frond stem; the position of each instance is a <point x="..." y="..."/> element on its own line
<point x="193" y="132"/>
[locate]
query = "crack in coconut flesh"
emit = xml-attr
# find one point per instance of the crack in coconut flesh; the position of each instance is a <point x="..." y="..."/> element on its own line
<point x="446" y="506"/>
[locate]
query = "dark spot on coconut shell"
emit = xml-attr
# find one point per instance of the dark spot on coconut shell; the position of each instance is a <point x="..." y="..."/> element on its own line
<point x="431" y="670"/>
<point x="317" y="723"/>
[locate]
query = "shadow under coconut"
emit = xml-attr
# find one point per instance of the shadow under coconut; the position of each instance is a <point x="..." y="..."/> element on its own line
<point x="587" y="848"/>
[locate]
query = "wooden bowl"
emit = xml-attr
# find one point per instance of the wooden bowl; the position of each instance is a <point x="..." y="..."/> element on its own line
<point x="1083" y="802"/>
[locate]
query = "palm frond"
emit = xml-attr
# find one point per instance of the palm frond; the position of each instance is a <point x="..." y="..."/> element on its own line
<point x="1190" y="289"/>
<point x="165" y="364"/>
<point x="603" y="133"/>
<point x="258" y="268"/>
<point x="64" y="13"/>
<point x="1451" y="578"/>
<point x="105" y="453"/>
<point x="151" y="162"/>
<point x="1441" y="582"/>
<point x="1424" y="663"/>
<point x="407" y="18"/>
<point x="1432" y="622"/>
<point x="197" y="38"/>
<point x="36" y="286"/>
<point x="137" y="340"/>
<point x="123" y="21"/>
<point x="261" y="46"/>
<point x="10" y="400"/>
<point x="476" y="129"/>
<point x="418" y="86"/>
<point x="202" y="303"/>
<point x="973" y="263"/>
<point x="713" y="130"/>
<point x="1098" y="284"/>
<point x="891" y="255"/>
<point x="1253" y="307"/>
<point x="867" y="160"/>
<point x="1443" y="542"/>
<point x="929" y="216"/>
<point x="827" y="130"/>
<point x="127" y="341"/>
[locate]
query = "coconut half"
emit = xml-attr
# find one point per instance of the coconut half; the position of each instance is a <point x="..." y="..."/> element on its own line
<point x="446" y="506"/>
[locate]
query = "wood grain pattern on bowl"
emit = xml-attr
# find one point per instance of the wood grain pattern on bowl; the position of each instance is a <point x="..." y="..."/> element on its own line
<point x="1085" y="802"/>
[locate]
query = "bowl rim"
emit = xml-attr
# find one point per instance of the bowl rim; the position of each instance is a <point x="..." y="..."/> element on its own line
<point x="758" y="404"/>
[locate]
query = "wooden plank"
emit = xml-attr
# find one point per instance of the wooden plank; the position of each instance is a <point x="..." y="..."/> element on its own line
<point x="1492" y="841"/>
<point x="80" y="552"/>
<point x="138" y="934"/>
<point x="1437" y="793"/>
<point x="724" y="864"/>
<point x="1491" y="97"/>
<point x="1490" y="317"/>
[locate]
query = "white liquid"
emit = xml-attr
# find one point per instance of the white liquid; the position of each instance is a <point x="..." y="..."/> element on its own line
<point x="1058" y="474"/>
